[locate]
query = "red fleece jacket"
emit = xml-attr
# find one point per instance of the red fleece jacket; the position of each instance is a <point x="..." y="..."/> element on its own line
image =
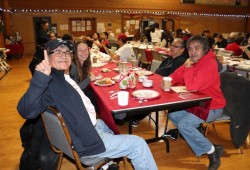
<point x="202" y="76"/>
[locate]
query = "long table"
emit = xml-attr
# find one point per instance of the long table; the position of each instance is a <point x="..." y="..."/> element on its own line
<point x="238" y="65"/>
<point x="165" y="101"/>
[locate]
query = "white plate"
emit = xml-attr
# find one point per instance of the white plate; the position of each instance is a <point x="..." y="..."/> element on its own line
<point x="98" y="64"/>
<point x="135" y="69"/>
<point x="145" y="94"/>
<point x="116" y="70"/>
<point x="98" y="84"/>
<point x="144" y="72"/>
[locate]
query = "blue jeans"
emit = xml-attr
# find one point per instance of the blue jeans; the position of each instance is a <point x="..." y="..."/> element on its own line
<point x="131" y="146"/>
<point x="187" y="124"/>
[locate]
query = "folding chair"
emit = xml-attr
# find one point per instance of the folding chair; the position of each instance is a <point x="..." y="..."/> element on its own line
<point x="61" y="142"/>
<point x="136" y="51"/>
<point x="156" y="55"/>
<point x="143" y="62"/>
<point x="154" y="65"/>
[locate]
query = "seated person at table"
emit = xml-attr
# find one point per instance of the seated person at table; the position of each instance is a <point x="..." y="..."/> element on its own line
<point x="125" y="51"/>
<point x="235" y="45"/>
<point x="68" y="37"/>
<point x="220" y="41"/>
<point x="80" y="70"/>
<point x="178" y="57"/>
<point x="51" y="85"/>
<point x="95" y="39"/>
<point x="199" y="73"/>
<point x="246" y="49"/>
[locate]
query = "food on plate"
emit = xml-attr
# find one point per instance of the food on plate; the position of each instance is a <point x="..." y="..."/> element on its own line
<point x="105" y="81"/>
<point x="105" y="70"/>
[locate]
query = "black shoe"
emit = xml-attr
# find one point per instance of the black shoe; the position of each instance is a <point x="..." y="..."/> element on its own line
<point x="201" y="129"/>
<point x="172" y="133"/>
<point x="135" y="123"/>
<point x="214" y="158"/>
<point x="120" y="122"/>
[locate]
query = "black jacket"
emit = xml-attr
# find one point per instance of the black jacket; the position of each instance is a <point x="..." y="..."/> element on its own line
<point x="37" y="153"/>
<point x="54" y="90"/>
<point x="170" y="64"/>
<point x="236" y="90"/>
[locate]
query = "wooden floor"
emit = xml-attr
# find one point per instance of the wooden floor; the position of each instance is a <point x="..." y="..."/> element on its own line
<point x="15" y="83"/>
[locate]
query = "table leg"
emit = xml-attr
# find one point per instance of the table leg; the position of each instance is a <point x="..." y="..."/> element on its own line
<point x="156" y="138"/>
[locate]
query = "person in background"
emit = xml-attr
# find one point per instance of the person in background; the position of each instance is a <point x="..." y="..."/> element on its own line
<point x="80" y="70"/>
<point x="155" y="34"/>
<point x="206" y="34"/>
<point x="178" y="57"/>
<point x="199" y="73"/>
<point x="220" y="41"/>
<point x="167" y="39"/>
<point x="112" y="40"/>
<point x="104" y="42"/>
<point x="246" y="49"/>
<point x="235" y="46"/>
<point x="68" y="37"/>
<point x="52" y="85"/>
<point x="95" y="39"/>
<point x="125" y="51"/>
<point x="52" y="35"/>
<point x="42" y="36"/>
<point x="245" y="41"/>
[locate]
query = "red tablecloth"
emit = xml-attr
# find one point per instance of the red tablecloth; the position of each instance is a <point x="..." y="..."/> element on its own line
<point x="15" y="49"/>
<point x="107" y="105"/>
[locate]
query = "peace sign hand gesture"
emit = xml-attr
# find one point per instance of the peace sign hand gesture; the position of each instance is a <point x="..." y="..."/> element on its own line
<point x="44" y="66"/>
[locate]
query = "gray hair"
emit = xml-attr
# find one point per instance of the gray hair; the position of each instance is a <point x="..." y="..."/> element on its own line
<point x="181" y="41"/>
<point x="200" y="39"/>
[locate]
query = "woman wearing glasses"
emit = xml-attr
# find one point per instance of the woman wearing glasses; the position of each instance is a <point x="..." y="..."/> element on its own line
<point x="178" y="57"/>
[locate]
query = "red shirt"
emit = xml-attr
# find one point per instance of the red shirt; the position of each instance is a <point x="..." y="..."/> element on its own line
<point x="235" y="48"/>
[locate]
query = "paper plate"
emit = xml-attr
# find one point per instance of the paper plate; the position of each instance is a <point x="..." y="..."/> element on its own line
<point x="145" y="94"/>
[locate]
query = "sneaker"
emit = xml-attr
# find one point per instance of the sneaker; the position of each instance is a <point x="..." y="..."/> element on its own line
<point x="135" y="123"/>
<point x="214" y="158"/>
<point x="172" y="133"/>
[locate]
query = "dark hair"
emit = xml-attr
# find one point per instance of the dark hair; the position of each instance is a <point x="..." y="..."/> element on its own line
<point x="247" y="35"/>
<point x="84" y="70"/>
<point x="67" y="37"/>
<point x="40" y="23"/>
<point x="200" y="39"/>
<point x="156" y="25"/>
<point x="106" y="34"/>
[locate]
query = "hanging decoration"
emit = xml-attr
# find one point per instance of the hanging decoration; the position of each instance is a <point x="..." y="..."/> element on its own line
<point x="125" y="12"/>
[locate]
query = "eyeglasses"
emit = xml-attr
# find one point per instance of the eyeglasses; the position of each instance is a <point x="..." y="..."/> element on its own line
<point x="175" y="46"/>
<point x="60" y="53"/>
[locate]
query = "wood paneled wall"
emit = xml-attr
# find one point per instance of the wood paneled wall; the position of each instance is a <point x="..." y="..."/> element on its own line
<point x="196" y="24"/>
<point x="166" y="5"/>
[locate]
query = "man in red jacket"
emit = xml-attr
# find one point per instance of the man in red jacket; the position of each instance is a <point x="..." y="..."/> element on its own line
<point x="199" y="73"/>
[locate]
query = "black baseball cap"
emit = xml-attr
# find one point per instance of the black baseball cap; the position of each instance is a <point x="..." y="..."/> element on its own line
<point x="53" y="44"/>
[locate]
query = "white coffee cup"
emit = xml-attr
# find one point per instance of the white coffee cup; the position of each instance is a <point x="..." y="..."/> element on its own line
<point x="134" y="63"/>
<point x="167" y="83"/>
<point x="122" y="97"/>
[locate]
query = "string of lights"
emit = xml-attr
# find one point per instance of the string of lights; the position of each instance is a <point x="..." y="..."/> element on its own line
<point x="125" y="12"/>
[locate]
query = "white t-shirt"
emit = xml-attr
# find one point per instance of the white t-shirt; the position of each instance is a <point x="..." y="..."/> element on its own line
<point x="87" y="103"/>
<point x="94" y="46"/>
<point x="156" y="36"/>
<point x="125" y="51"/>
